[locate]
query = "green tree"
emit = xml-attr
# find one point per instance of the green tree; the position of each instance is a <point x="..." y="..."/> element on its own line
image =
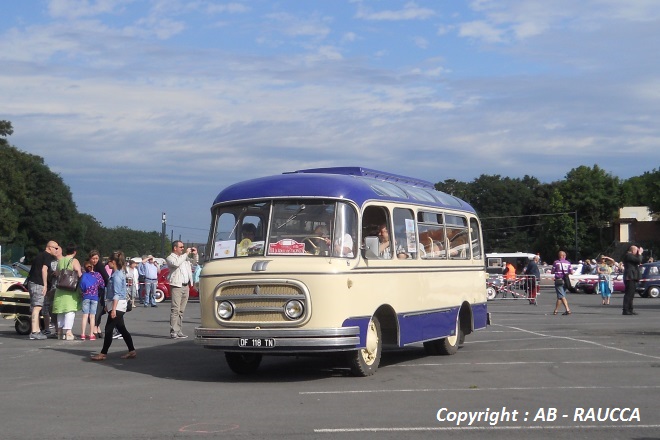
<point x="643" y="190"/>
<point x="596" y="196"/>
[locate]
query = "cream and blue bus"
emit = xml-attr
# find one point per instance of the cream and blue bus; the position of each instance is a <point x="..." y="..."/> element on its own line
<point x="343" y="260"/>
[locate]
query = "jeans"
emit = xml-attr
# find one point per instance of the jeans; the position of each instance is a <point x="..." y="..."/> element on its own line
<point x="149" y="292"/>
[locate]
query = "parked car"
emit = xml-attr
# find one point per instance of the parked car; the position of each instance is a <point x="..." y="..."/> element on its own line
<point x="649" y="282"/>
<point x="163" y="287"/>
<point x="588" y="285"/>
<point x="11" y="279"/>
<point x="8" y="271"/>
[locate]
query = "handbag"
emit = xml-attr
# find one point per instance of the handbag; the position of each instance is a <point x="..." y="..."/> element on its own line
<point x="567" y="282"/>
<point x="67" y="279"/>
<point x="129" y="305"/>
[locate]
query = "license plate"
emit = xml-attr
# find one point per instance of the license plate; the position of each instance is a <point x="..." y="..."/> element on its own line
<point x="252" y="342"/>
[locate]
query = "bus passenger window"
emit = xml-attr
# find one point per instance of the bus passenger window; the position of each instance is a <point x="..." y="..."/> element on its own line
<point x="405" y="237"/>
<point x="476" y="239"/>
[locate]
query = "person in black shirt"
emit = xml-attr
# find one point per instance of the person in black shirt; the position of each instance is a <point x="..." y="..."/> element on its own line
<point x="37" y="281"/>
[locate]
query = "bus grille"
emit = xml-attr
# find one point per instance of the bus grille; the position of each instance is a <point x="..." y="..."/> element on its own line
<point x="261" y="303"/>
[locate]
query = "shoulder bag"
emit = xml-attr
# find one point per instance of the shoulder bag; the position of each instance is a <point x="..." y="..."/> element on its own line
<point x="67" y="279"/>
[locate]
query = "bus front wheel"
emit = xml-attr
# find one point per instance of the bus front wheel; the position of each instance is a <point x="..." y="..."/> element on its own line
<point x="243" y="363"/>
<point x="448" y="345"/>
<point x="364" y="362"/>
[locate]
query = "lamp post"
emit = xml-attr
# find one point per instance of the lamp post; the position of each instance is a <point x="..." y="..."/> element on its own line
<point x="162" y="234"/>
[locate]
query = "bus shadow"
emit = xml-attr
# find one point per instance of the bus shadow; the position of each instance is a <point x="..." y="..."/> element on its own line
<point x="185" y="361"/>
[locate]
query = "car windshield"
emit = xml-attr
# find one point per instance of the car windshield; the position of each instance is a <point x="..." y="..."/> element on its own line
<point x="299" y="227"/>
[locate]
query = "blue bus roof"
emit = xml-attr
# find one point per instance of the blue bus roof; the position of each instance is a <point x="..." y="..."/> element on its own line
<point x="350" y="183"/>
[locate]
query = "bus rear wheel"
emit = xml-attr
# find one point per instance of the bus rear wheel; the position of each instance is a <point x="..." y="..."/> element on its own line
<point x="243" y="363"/>
<point x="364" y="362"/>
<point x="448" y="345"/>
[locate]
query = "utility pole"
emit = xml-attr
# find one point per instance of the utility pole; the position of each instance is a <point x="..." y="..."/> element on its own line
<point x="162" y="235"/>
<point x="576" y="238"/>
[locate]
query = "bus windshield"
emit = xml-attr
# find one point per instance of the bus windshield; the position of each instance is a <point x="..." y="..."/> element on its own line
<point x="285" y="227"/>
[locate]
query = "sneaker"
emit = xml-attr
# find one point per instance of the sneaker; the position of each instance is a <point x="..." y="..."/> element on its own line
<point x="181" y="336"/>
<point x="38" y="335"/>
<point x="92" y="337"/>
<point x="154" y="305"/>
<point x="117" y="336"/>
<point x="83" y="337"/>
<point x="174" y="336"/>
<point x="46" y="332"/>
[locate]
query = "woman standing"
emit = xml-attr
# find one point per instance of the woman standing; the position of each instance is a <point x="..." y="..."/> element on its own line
<point x="115" y="304"/>
<point x="67" y="302"/>
<point x="604" y="272"/>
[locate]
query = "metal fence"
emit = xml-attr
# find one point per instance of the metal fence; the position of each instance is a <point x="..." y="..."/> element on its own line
<point x="523" y="287"/>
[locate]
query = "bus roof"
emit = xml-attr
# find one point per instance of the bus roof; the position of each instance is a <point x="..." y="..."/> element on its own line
<point x="350" y="183"/>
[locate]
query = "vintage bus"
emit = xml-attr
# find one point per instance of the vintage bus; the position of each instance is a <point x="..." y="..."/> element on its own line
<point x="342" y="260"/>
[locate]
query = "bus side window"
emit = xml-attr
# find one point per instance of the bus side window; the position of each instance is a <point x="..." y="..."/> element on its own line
<point x="405" y="236"/>
<point x="476" y="239"/>
<point x="376" y="233"/>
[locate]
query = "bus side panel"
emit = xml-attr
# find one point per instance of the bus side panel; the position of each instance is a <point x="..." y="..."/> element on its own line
<point x="426" y="326"/>
<point x="480" y="315"/>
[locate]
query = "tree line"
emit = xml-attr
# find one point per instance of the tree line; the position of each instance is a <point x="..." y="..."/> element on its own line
<point x="523" y="214"/>
<point x="36" y="206"/>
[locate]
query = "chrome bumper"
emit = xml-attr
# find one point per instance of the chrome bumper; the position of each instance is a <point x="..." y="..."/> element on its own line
<point x="286" y="341"/>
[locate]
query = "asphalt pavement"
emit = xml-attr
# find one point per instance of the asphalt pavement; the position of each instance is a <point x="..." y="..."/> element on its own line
<point x="592" y="375"/>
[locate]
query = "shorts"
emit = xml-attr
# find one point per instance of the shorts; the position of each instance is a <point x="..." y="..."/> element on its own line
<point x="89" y="306"/>
<point x="36" y="295"/>
<point x="561" y="291"/>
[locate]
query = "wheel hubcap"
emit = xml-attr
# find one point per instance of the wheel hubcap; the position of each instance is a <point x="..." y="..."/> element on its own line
<point x="370" y="351"/>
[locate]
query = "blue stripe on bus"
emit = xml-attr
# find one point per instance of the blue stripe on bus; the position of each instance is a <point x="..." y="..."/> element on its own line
<point x="424" y="326"/>
<point x="427" y="326"/>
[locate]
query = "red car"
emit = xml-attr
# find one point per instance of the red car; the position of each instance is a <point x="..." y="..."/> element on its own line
<point x="589" y="285"/>
<point x="163" y="287"/>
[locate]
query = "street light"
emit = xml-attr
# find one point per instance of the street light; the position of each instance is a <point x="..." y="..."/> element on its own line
<point x="162" y="235"/>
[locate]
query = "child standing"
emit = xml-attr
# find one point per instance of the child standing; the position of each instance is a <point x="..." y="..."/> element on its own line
<point x="89" y="285"/>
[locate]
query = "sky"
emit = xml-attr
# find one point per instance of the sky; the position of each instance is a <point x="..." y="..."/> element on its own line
<point x="145" y="107"/>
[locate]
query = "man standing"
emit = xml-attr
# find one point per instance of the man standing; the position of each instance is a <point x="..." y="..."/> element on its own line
<point x="37" y="279"/>
<point x="180" y="264"/>
<point x="533" y="279"/>
<point x="631" y="262"/>
<point x="151" y="271"/>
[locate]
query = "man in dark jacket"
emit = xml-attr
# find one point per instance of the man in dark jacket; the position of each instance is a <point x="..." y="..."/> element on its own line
<point x="631" y="262"/>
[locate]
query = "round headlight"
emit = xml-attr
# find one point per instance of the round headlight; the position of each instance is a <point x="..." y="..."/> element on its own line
<point x="225" y="310"/>
<point x="294" y="309"/>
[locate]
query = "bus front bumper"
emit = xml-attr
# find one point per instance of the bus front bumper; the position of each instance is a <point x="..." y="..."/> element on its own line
<point x="279" y="341"/>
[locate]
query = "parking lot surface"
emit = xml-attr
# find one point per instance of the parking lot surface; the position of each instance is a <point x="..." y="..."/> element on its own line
<point x="592" y="375"/>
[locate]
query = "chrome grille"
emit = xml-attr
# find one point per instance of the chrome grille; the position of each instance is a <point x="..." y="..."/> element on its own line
<point x="261" y="303"/>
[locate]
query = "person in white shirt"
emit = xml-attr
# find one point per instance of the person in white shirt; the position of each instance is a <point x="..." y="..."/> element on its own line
<point x="180" y="263"/>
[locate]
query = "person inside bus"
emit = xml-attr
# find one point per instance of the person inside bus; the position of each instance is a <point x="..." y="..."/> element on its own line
<point x="319" y="244"/>
<point x="384" y="244"/>
<point x="248" y="232"/>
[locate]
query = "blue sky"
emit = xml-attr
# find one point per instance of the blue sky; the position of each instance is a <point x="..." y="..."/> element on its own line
<point x="146" y="107"/>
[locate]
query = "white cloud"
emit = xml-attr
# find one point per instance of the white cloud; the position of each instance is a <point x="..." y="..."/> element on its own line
<point x="480" y="30"/>
<point x="421" y="42"/>
<point x="73" y="9"/>
<point x="410" y="11"/>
